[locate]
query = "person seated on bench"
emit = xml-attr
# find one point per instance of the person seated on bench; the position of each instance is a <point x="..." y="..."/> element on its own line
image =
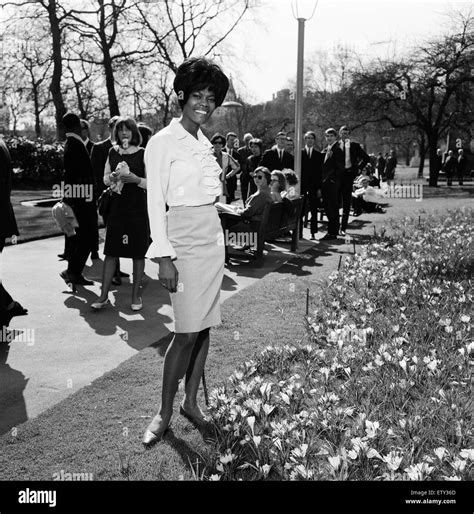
<point x="244" y="219"/>
<point x="366" y="197"/>
<point x="277" y="186"/>
<point x="291" y="181"/>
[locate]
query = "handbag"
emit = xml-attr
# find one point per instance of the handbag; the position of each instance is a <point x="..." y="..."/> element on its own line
<point x="104" y="202"/>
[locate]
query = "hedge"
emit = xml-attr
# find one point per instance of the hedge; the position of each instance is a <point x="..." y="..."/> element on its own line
<point x="35" y="162"/>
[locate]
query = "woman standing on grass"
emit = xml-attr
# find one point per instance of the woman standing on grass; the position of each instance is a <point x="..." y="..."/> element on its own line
<point x="128" y="233"/>
<point x="183" y="174"/>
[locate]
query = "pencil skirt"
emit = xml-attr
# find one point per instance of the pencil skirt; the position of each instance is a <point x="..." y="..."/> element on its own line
<point x="196" y="235"/>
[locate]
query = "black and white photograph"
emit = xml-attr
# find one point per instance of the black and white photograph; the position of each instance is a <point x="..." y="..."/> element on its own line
<point x="236" y="256"/>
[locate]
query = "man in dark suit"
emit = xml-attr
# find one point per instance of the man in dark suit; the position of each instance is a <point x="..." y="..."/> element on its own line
<point x="462" y="165"/>
<point x="245" y="152"/>
<point x="8" y="228"/>
<point x="355" y="160"/>
<point x="99" y="155"/>
<point x="449" y="167"/>
<point x="278" y="158"/>
<point x="311" y="163"/>
<point x="79" y="195"/>
<point x="231" y="182"/>
<point x="331" y="176"/>
<point x="85" y="135"/>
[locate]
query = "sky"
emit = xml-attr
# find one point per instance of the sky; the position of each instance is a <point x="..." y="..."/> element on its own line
<point x="266" y="51"/>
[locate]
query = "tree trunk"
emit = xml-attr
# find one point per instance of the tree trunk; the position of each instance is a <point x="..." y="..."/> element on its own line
<point x="37" y="110"/>
<point x="110" y="83"/>
<point x="55" y="86"/>
<point x="80" y="103"/>
<point x="422" y="150"/>
<point x="434" y="171"/>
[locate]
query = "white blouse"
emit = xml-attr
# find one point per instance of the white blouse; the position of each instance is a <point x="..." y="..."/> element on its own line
<point x="180" y="170"/>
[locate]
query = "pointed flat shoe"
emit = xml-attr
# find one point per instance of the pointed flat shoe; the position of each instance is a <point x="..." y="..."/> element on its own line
<point x="150" y="438"/>
<point x="197" y="422"/>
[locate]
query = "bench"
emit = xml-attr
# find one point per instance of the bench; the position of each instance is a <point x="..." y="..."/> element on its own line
<point x="276" y="222"/>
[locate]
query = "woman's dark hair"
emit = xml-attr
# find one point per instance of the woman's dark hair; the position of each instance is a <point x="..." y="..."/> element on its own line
<point x="265" y="171"/>
<point x="291" y="178"/>
<point x="132" y="126"/>
<point x="196" y="74"/>
<point x="218" y="137"/>
<point x="281" y="180"/>
<point x="258" y="142"/>
<point x="145" y="132"/>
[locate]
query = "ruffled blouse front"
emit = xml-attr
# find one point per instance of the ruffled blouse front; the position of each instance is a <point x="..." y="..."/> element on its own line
<point x="202" y="150"/>
<point x="181" y="171"/>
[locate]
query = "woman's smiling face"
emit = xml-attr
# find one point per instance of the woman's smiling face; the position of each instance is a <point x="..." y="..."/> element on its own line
<point x="200" y="106"/>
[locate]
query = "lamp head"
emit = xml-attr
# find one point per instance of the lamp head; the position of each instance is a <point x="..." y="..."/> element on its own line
<point x="303" y="9"/>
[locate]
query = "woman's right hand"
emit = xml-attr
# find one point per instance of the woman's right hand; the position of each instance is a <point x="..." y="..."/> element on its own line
<point x="168" y="274"/>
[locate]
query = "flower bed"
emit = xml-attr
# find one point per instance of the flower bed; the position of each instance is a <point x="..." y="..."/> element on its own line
<point x="382" y="391"/>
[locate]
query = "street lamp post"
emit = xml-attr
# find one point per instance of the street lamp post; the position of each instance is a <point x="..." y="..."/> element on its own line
<point x="302" y="10"/>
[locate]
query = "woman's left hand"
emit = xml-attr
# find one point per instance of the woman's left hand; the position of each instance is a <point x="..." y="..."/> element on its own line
<point x="130" y="178"/>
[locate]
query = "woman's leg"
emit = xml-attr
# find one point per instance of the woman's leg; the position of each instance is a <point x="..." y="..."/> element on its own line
<point x="194" y="373"/>
<point x="138" y="269"/>
<point x="107" y="274"/>
<point x="176" y="363"/>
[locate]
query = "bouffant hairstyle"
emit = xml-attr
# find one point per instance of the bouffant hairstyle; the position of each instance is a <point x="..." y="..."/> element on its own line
<point x="218" y="138"/>
<point x="291" y="178"/>
<point x="331" y="131"/>
<point x="257" y="142"/>
<point x="132" y="126"/>
<point x="281" y="180"/>
<point x="196" y="74"/>
<point x="266" y="173"/>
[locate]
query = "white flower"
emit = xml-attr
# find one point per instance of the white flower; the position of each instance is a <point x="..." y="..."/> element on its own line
<point x="214" y="477"/>
<point x="459" y="465"/>
<point x="371" y="428"/>
<point x="465" y="319"/>
<point x="257" y="440"/>
<point x="403" y="364"/>
<point x="267" y="408"/>
<point x="251" y="422"/>
<point x="227" y="457"/>
<point x="335" y="462"/>
<point x="285" y="398"/>
<point x="440" y="452"/>
<point x="325" y="372"/>
<point x="393" y="460"/>
<point x="417" y="471"/>
<point x="467" y="453"/>
<point x="372" y="453"/>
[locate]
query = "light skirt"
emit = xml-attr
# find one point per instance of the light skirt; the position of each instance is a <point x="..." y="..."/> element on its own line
<point x="196" y="235"/>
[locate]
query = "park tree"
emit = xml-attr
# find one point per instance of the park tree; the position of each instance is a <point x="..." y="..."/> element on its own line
<point x="104" y="23"/>
<point x="425" y="91"/>
<point x="36" y="16"/>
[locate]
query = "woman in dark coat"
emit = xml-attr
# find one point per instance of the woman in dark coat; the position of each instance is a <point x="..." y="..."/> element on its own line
<point x="8" y="228"/>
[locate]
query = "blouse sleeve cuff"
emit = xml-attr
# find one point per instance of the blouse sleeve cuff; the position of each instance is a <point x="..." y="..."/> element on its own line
<point x="163" y="250"/>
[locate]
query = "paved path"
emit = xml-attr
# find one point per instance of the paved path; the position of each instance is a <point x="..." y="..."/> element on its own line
<point x="63" y="345"/>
